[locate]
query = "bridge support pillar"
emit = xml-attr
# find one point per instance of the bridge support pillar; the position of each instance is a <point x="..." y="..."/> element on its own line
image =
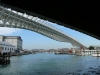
<point x="73" y="48"/>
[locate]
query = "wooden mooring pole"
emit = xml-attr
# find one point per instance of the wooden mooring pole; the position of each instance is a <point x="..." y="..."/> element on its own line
<point x="4" y="58"/>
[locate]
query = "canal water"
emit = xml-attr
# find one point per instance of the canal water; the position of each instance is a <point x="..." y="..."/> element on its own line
<point x="49" y="64"/>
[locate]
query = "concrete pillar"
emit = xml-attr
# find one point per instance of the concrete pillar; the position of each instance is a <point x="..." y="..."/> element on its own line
<point x="73" y="48"/>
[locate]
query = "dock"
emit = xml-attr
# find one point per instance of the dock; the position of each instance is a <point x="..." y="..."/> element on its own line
<point x="5" y="58"/>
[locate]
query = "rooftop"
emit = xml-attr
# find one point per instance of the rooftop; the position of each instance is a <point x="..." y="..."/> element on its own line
<point x="12" y="37"/>
<point x="5" y="43"/>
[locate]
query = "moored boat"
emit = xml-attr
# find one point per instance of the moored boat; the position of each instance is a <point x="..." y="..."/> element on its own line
<point x="96" y="54"/>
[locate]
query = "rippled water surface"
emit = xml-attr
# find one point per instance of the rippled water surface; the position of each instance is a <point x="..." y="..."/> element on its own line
<point x="49" y="64"/>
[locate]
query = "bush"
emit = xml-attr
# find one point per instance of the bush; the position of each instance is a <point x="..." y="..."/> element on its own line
<point x="91" y="48"/>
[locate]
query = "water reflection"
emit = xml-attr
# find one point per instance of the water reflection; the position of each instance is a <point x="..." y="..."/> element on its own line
<point x="49" y="64"/>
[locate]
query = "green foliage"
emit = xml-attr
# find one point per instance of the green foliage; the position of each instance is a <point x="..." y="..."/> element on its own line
<point x="91" y="48"/>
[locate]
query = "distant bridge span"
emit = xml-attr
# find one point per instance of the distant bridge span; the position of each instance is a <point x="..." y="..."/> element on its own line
<point x="14" y="19"/>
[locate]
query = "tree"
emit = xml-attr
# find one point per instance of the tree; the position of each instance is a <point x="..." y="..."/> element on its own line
<point x="91" y="48"/>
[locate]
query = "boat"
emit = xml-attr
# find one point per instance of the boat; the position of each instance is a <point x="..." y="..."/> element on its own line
<point x="96" y="54"/>
<point x="57" y="52"/>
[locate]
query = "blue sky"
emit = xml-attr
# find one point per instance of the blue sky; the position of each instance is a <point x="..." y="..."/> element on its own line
<point x="33" y="40"/>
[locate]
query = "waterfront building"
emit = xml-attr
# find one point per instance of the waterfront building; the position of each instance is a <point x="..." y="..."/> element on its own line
<point x="89" y="52"/>
<point x="51" y="50"/>
<point x="34" y="50"/>
<point x="14" y="40"/>
<point x="6" y="47"/>
<point x="97" y="47"/>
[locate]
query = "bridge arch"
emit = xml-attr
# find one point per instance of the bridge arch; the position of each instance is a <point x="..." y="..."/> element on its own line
<point x="14" y="19"/>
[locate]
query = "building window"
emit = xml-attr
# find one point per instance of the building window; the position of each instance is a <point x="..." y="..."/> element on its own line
<point x="5" y="48"/>
<point x="8" y="48"/>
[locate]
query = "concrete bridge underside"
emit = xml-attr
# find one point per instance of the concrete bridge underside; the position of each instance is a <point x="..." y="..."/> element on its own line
<point x="14" y="19"/>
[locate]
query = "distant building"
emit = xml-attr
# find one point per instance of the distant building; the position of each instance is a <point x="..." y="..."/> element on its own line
<point x="6" y="47"/>
<point x="14" y="40"/>
<point x="96" y="47"/>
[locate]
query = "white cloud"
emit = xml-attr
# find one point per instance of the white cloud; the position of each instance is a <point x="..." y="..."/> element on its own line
<point x="5" y="30"/>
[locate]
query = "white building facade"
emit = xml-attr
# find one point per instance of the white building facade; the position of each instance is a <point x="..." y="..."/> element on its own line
<point x="14" y="40"/>
<point x="89" y="52"/>
<point x="6" y="47"/>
